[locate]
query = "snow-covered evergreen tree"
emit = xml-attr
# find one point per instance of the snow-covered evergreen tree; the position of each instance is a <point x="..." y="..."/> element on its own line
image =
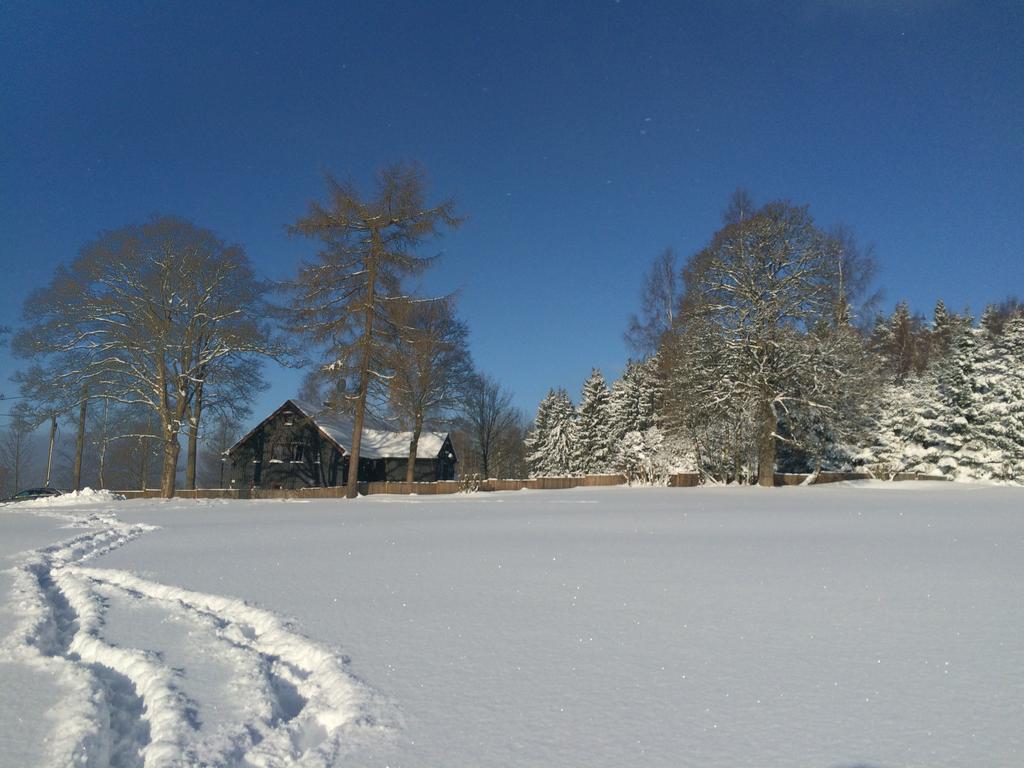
<point x="964" y="418"/>
<point x="898" y="442"/>
<point x="990" y="321"/>
<point x="593" y="443"/>
<point x="561" y="436"/>
<point x="536" y="440"/>
<point x="903" y="353"/>
<point x="954" y="427"/>
<point x="634" y="398"/>
<point x="943" y="327"/>
<point x="1000" y="403"/>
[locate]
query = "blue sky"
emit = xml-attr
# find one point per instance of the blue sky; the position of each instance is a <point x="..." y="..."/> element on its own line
<point x="579" y="140"/>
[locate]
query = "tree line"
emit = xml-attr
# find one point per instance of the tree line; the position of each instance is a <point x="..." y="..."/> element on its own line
<point x="155" y="336"/>
<point x="765" y="352"/>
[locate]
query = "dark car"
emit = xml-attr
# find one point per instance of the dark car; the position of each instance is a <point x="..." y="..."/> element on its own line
<point x="34" y="493"/>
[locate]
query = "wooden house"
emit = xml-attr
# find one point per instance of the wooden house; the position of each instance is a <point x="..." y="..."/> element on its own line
<point x="300" y="446"/>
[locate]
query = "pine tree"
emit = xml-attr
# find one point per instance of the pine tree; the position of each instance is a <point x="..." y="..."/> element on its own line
<point x="592" y="448"/>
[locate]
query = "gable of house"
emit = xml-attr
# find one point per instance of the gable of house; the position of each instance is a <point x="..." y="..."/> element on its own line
<point x="297" y="446"/>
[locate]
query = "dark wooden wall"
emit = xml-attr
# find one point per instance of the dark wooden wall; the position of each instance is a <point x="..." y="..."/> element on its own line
<point x="286" y="453"/>
<point x="268" y="460"/>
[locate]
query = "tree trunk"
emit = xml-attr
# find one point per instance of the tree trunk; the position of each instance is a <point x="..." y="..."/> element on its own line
<point x="103" y="445"/>
<point x="352" y="481"/>
<point x="80" y="442"/>
<point x="17" y="466"/>
<point x="172" y="449"/>
<point x="144" y="462"/>
<point x="352" y="489"/>
<point x="193" y="437"/>
<point x="485" y="463"/>
<point x="410" y="470"/>
<point x="812" y="478"/>
<point x="766" y="447"/>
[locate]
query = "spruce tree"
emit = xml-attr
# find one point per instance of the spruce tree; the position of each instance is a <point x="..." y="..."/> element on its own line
<point x="942" y="328"/>
<point x="649" y="393"/>
<point x="592" y="448"/>
<point x="633" y="403"/>
<point x="954" y="426"/>
<point x="901" y="353"/>
<point x="899" y="441"/>
<point x="1000" y="407"/>
<point x="561" y="436"/>
<point x="990" y="321"/>
<point x="536" y="440"/>
<point x="1011" y="390"/>
<point x="621" y="402"/>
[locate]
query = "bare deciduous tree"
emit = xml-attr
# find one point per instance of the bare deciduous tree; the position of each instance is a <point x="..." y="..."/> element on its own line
<point x="15" y="449"/>
<point x="221" y="434"/>
<point x="224" y="390"/>
<point x="58" y="387"/>
<point x="345" y="302"/>
<point x="144" y="314"/>
<point x="430" y="367"/>
<point x="659" y="299"/>
<point x="488" y="418"/>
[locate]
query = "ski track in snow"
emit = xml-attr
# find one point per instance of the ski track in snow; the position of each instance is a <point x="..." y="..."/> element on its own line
<point x="126" y="708"/>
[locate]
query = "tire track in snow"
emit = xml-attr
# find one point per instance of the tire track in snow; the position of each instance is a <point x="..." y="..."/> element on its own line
<point x="126" y="706"/>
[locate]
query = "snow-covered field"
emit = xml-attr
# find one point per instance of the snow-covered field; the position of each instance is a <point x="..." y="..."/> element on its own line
<point x="853" y="625"/>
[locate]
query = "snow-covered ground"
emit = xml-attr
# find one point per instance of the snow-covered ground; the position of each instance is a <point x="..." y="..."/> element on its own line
<point x="861" y="624"/>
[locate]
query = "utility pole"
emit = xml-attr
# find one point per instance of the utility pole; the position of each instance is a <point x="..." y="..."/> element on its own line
<point x="49" y="456"/>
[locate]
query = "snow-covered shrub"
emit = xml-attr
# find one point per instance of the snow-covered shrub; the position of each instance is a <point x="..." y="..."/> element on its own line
<point x="470" y="483"/>
<point x="645" y="458"/>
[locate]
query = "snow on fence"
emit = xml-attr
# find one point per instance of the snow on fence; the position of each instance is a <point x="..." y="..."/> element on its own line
<point x="681" y="480"/>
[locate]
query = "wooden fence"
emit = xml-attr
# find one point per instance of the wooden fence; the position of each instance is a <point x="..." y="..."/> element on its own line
<point x="682" y="480"/>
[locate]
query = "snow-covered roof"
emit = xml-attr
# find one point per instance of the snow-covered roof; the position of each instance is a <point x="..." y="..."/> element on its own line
<point x="376" y="443"/>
